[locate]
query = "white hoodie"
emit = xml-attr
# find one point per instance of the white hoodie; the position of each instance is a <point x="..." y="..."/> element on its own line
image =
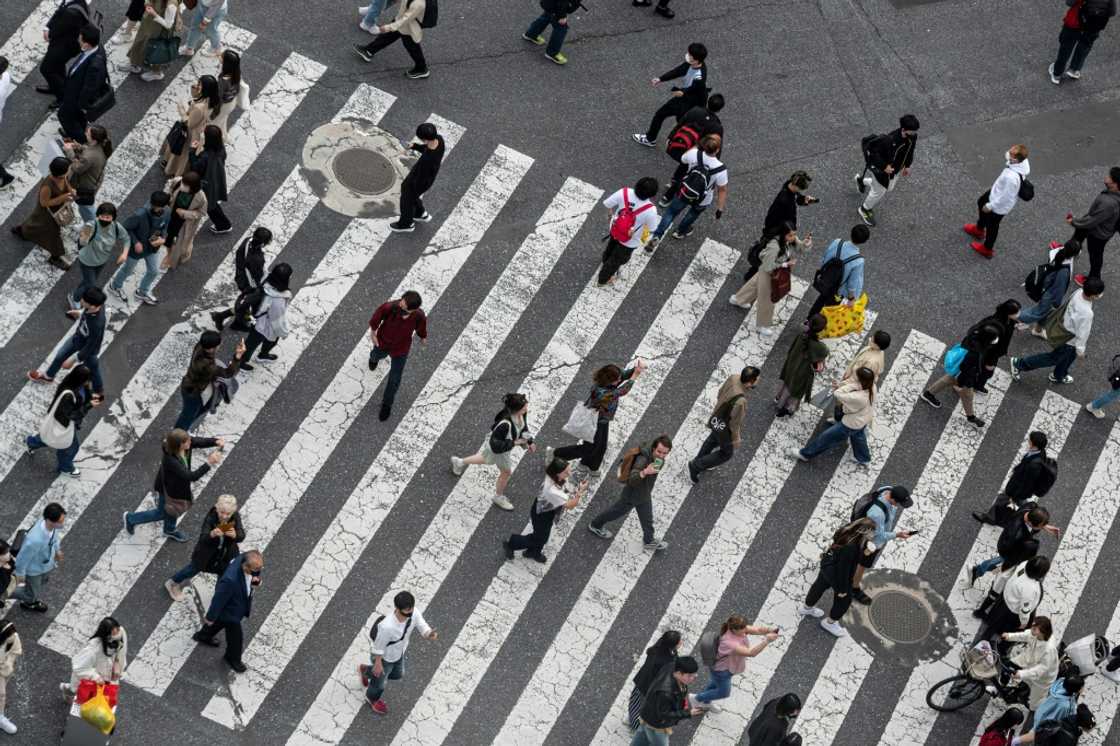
<point x="271" y="320"/>
<point x="1079" y="320"/>
<point x="1005" y="189"/>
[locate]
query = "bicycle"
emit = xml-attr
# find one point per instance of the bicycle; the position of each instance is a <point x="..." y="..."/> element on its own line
<point x="983" y="670"/>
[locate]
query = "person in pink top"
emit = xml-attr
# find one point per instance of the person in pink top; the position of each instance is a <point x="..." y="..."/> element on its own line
<point x="731" y="658"/>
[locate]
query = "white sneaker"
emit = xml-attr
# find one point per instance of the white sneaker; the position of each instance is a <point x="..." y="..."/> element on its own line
<point x="7" y="726"/>
<point x="657" y="545"/>
<point x="185" y="51"/>
<point x="548" y="451"/>
<point x="1053" y="78"/>
<point x="128" y="67"/>
<point x="151" y="75"/>
<point x="812" y="611"/>
<point x="1073" y="74"/>
<point x="457" y="466"/>
<point x="713" y="708"/>
<point x="503" y="502"/>
<point x="833" y="627"/>
<point x="174" y="590"/>
<point x="368" y="29"/>
<point x="765" y="331"/>
<point x="1113" y="676"/>
<point x="146" y="298"/>
<point x="695" y="704"/>
<point x="737" y="304"/>
<point x="67" y="692"/>
<point x="1098" y="413"/>
<point x="796" y="453"/>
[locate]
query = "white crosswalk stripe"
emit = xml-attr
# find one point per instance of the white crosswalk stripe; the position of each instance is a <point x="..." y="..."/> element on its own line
<point x="25" y="48"/>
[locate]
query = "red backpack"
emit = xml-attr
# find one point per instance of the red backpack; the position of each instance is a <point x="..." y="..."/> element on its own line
<point x="682" y="139"/>
<point x="995" y="738"/>
<point x="622" y="229"/>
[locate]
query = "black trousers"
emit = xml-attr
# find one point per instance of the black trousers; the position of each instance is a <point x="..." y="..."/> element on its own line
<point x="1095" y="247"/>
<point x="411" y="204"/>
<point x="53" y="66"/>
<point x="534" y="542"/>
<point x="589" y="454"/>
<point x="135" y="12"/>
<point x="256" y="339"/>
<point x="235" y="640"/>
<point x="840" y="603"/>
<point x="987" y="221"/>
<point x="413" y="49"/>
<point x="218" y="217"/>
<point x="713" y="452"/>
<point x="73" y="122"/>
<point x="614" y="256"/>
<point x="674" y="107"/>
<point x="824" y="299"/>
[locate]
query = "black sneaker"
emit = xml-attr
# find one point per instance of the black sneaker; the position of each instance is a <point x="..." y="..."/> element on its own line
<point x="267" y="356"/>
<point x="385" y="413"/>
<point x="537" y="557"/>
<point x="217" y="319"/>
<point x="417" y="73"/>
<point x="976" y="420"/>
<point x="425" y="218"/>
<point x="973" y="575"/>
<point x="208" y="641"/>
<point x="859" y="183"/>
<point x="247" y="366"/>
<point x="237" y="666"/>
<point x="399" y="227"/>
<point x="693" y="473"/>
<point x="859" y="596"/>
<point x="931" y="400"/>
<point x="682" y="234"/>
<point x="509" y="552"/>
<point x="220" y="231"/>
<point x="981" y="389"/>
<point x="372" y="364"/>
<point x="664" y="11"/>
<point x="361" y="52"/>
<point x="36" y="606"/>
<point x="5" y="181"/>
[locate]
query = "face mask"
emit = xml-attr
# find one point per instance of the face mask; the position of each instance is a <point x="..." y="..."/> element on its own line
<point x="688" y="58"/>
<point x="1007" y="157"/>
<point x="105" y="223"/>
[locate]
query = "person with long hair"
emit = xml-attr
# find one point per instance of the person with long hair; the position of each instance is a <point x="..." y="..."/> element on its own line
<point x="10" y="651"/>
<point x="732" y="650"/>
<point x="838" y="567"/>
<point x="201" y="109"/>
<point x="208" y="160"/>
<point x="1000" y="730"/>
<point x="662" y="653"/>
<point x="804" y="360"/>
<point x="545" y="510"/>
<point x="173" y="481"/>
<point x="40" y="227"/>
<point x="248" y="274"/>
<point x="234" y="91"/>
<point x="158" y="17"/>
<point x="857" y="399"/>
<point x="87" y="167"/>
<point x="1036" y="656"/>
<point x="198" y="388"/>
<point x="270" y="318"/>
<point x="102" y="659"/>
<point x="780" y="246"/>
<point x="510" y="429"/>
<point x="71" y="402"/>
<point x="611" y="383"/>
<point x="982" y="346"/>
<point x="188" y="206"/>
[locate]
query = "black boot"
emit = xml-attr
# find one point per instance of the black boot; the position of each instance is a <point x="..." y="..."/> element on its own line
<point x="219" y="318"/>
<point x="986" y="607"/>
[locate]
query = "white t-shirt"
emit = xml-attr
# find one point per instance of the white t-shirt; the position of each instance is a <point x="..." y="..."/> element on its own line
<point x="552" y="496"/>
<point x="393" y="635"/>
<point x="710" y="162"/>
<point x="644" y="222"/>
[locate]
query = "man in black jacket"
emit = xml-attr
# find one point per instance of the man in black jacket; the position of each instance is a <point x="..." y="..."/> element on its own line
<point x="1097" y="226"/>
<point x="666" y="702"/>
<point x="773" y="723"/>
<point x="784" y="207"/>
<point x="1017" y="542"/>
<point x="693" y="91"/>
<point x="62" y="45"/>
<point x="248" y="274"/>
<point x="85" y="79"/>
<point x="420" y="179"/>
<point x="886" y="157"/>
<point x="697" y="123"/>
<point x="555" y="14"/>
<point x="1031" y="479"/>
<point x="84" y="347"/>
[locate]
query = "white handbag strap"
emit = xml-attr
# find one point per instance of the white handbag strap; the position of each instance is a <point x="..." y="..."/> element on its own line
<point x="54" y="407"/>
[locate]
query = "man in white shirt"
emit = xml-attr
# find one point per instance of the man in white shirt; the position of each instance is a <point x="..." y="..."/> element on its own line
<point x="390" y="641"/>
<point x="633" y="219"/>
<point x="1068" y="338"/>
<point x="705" y="172"/>
<point x="6" y="88"/>
<point x="998" y="201"/>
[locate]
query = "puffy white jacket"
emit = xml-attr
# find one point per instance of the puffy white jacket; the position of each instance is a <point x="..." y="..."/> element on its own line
<point x="1005" y="189"/>
<point x="1038" y="663"/>
<point x="271" y="320"/>
<point x="91" y="662"/>
<point x="859" y="407"/>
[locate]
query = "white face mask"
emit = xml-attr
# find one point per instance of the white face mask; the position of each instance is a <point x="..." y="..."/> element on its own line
<point x="1007" y="157"/>
<point x="688" y="58"/>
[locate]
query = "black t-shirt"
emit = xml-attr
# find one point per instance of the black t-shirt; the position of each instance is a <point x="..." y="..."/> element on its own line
<point x="424" y="171"/>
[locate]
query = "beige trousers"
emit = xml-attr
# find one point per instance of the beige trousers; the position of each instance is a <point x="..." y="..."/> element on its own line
<point x="749" y="294"/>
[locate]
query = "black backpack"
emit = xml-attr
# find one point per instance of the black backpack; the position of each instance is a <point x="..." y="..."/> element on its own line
<point x="865" y="145"/>
<point x="249" y="302"/>
<point x="864" y="503"/>
<point x="829" y="277"/>
<point x="754" y="253"/>
<point x="1048" y="476"/>
<point x="1026" y="189"/>
<point x="1114" y="372"/>
<point x="431" y="14"/>
<point x="720" y="421"/>
<point x="1035" y="284"/>
<point x="1094" y="14"/>
<point x="377" y="624"/>
<point x="694" y="185"/>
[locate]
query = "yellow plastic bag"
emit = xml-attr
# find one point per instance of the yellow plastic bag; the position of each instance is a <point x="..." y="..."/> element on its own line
<point x="844" y="320"/>
<point x="97" y="712"/>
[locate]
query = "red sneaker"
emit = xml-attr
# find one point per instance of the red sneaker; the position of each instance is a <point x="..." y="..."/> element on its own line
<point x="982" y="250"/>
<point x="974" y="230"/>
<point x="362" y="675"/>
<point x="1079" y="279"/>
<point x="379" y="707"/>
<point x="39" y="377"/>
<point x="1056" y="245"/>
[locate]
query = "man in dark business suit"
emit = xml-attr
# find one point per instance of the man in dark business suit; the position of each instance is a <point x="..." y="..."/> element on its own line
<point x="61" y="35"/>
<point x="84" y="80"/>
<point x="233" y="599"/>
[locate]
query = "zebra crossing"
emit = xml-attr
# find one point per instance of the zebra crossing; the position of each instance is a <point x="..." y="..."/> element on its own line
<point x="477" y="643"/>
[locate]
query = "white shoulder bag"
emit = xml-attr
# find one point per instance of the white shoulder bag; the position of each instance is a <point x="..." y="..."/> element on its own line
<point x="51" y="432"/>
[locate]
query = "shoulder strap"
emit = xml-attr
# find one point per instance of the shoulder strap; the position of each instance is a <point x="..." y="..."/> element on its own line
<point x="54" y="407"/>
<point x="625" y="201"/>
<point x="852" y="258"/>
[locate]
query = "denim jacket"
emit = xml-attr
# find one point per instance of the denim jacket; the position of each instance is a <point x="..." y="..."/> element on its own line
<point x="37" y="555"/>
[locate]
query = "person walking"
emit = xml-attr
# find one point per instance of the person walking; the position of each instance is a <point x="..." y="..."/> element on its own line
<point x="1097" y="405"/>
<point x="783" y="210"/>
<point x="390" y="329"/>
<point x="886" y="157"/>
<point x="1060" y="704"/>
<point x="695" y="124"/>
<point x="217" y="545"/>
<point x="172" y="486"/>
<point x="871" y="357"/>
<point x="884" y="507"/>
<point x="248" y="274"/>
<point x="804" y="360"/>
<point x="158" y="19"/>
<point x="7" y="574"/>
<point x="666" y="703"/>
<point x="368" y="15"/>
<point x="633" y="218"/>
<point x="732" y="650"/>
<point x="545" y="511"/>
<point x="857" y="400"/>
<point x="233" y="90"/>
<point x="1017" y="543"/>
<point x="509" y="429"/>
<point x="998" y="202"/>
<point x="1030" y="480"/>
<point x="270" y="318"/>
<point x="206" y="24"/>
<point x="85" y="79"/>
<point x="725" y="424"/>
<point x="1000" y="731"/>
<point x="772" y="726"/>
<point x="10" y="650"/>
<point x="1035" y="654"/>
<point x="1050" y="289"/>
<point x="105" y="239"/>
<point x="638" y="471"/>
<point x="1097" y="226"/>
<point x="102" y="659"/>
<point x="840" y="277"/>
<point x="704" y="181"/>
<point x="41" y="227"/>
<point x="1081" y="25"/>
<point x="693" y="91"/>
<point x="555" y="14"/>
<point x="200" y="109"/>
<point x="408" y="29"/>
<point x="660" y="655"/>
<point x="84" y="346"/>
<point x="87" y="167"/>
<point x="188" y="206"/>
<point x="61" y="34"/>
<point x="420" y="178"/>
<point x="71" y="403"/>
<point x="7" y="87"/>
<point x="390" y="635"/>
<point x="1067" y="331"/>
<point x="610" y="384"/>
<point x="1010" y="605"/>
<point x="838" y="566"/>
<point x="197" y="389"/>
<point x="981" y="347"/>
<point x="147" y="228"/>
<point x="38" y="557"/>
<point x="232" y="602"/>
<point x="208" y="160"/>
<point x="662" y="8"/>
<point x="779" y="249"/>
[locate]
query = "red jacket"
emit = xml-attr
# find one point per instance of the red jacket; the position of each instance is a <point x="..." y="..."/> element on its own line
<point x="394" y="329"/>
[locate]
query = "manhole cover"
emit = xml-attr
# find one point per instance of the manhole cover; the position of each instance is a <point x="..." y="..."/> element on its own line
<point x="364" y="171"/>
<point x="900" y="617"/>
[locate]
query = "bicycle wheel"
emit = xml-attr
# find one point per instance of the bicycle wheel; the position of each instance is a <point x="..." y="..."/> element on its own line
<point x="954" y="693"/>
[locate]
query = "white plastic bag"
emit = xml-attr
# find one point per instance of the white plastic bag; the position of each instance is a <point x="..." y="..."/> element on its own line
<point x="582" y="422"/>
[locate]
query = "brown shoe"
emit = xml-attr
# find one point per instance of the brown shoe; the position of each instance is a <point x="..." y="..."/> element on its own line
<point x="59" y="262"/>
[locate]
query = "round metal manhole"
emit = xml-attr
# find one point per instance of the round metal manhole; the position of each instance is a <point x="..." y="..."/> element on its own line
<point x="900" y="617"/>
<point x="364" y="171"/>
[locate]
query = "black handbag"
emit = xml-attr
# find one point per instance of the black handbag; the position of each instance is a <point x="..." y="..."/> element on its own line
<point x="106" y="99"/>
<point x="177" y="137"/>
<point x="162" y="49"/>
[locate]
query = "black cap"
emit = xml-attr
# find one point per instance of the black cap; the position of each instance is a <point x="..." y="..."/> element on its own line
<point x="901" y="495"/>
<point x="908" y="122"/>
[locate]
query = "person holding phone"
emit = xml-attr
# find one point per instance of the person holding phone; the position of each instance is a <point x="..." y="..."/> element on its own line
<point x="547" y="508"/>
<point x="638" y="471"/>
<point x="884" y="511"/>
<point x="216" y="548"/>
<point x="732" y="652"/>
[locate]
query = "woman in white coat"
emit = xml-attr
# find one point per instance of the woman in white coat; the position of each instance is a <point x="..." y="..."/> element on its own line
<point x="1037" y="658"/>
<point x="233" y="90"/>
<point x="102" y="659"/>
<point x="10" y="650"/>
<point x="270" y="318"/>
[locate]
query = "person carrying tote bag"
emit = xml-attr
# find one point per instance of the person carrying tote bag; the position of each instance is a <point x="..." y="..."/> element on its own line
<point x="172" y="486"/>
<point x="611" y="384"/>
<point x="59" y="427"/>
<point x="156" y="43"/>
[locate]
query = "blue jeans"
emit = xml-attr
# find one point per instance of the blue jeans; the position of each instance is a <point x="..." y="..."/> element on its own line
<point x="151" y="516"/>
<point x="559" y="31"/>
<point x="1035" y="313"/>
<point x="988" y="565"/>
<point x="88" y="213"/>
<point x="374" y="11"/>
<point x="65" y="455"/>
<point x="29" y="592"/>
<point x="835" y="435"/>
<point x="94" y="365"/>
<point x="1060" y="358"/>
<point x="192" y="408"/>
<point x="389" y="671"/>
<point x="151" y="271"/>
<point x="1105" y="399"/>
<point x="647" y="736"/>
<point x="675" y="208"/>
<point x="719" y="687"/>
<point x="194" y="36"/>
<point x="89" y="280"/>
<point x="396" y="372"/>
<point x="187" y="572"/>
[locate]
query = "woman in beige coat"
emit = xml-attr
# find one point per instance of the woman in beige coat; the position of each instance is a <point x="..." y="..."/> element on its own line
<point x="188" y="207"/>
<point x="87" y="168"/>
<point x="159" y="16"/>
<point x="10" y="650"/>
<point x="1036" y="657"/>
<point x="857" y="398"/>
<point x="203" y="108"/>
<point x="777" y="252"/>
<point x="406" y="27"/>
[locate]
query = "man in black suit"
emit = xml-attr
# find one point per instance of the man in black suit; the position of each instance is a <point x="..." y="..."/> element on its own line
<point x="84" y="80"/>
<point x="62" y="45"/>
<point x="233" y="599"/>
